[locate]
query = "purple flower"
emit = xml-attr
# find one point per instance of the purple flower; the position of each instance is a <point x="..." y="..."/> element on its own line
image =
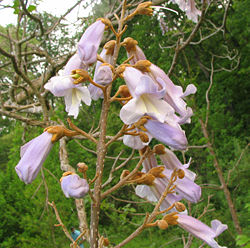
<point x="90" y="42"/>
<point x="64" y="86"/>
<point x="74" y="186"/>
<point x="146" y="99"/>
<point x="103" y="76"/>
<point x="171" y="162"/>
<point x="174" y="95"/>
<point x="169" y="134"/>
<point x="201" y="230"/>
<point x="33" y="155"/>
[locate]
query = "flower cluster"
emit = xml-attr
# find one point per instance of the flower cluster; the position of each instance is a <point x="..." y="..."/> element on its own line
<point x="152" y="107"/>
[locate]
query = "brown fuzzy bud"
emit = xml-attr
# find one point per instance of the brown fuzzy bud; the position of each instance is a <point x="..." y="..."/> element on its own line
<point x="120" y="69"/>
<point x="157" y="171"/>
<point x="147" y="179"/>
<point x="144" y="9"/>
<point x="130" y="44"/>
<point x="82" y="167"/>
<point x="144" y="137"/>
<point x="159" y="149"/>
<point x="142" y="65"/>
<point x="162" y="224"/>
<point x="124" y="91"/>
<point x="105" y="241"/>
<point x="110" y="46"/>
<point x="179" y="206"/>
<point x="181" y="173"/>
<point x="105" y="21"/>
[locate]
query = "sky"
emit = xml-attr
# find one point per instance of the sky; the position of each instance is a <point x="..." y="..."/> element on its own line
<point x="55" y="7"/>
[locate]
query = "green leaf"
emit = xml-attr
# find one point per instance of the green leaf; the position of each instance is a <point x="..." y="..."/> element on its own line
<point x="31" y="8"/>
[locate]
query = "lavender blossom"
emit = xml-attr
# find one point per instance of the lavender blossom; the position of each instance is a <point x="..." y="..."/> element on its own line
<point x="174" y="94"/>
<point x="171" y="162"/>
<point x="74" y="186"/>
<point x="169" y="134"/>
<point x="201" y="230"/>
<point x="64" y="86"/>
<point x="146" y="99"/>
<point x="90" y="42"/>
<point x="33" y="155"/>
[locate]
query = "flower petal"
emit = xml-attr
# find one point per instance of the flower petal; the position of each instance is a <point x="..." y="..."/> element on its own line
<point x="33" y="157"/>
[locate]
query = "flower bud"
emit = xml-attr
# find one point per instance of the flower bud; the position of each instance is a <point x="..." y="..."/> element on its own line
<point x="144" y="137"/>
<point x="157" y="171"/>
<point x="105" y="241"/>
<point x="159" y="149"/>
<point x="82" y="167"/>
<point x="124" y="91"/>
<point x="181" y="173"/>
<point x="179" y="206"/>
<point x="162" y="224"/>
<point x="110" y="46"/>
<point x="144" y="9"/>
<point x="130" y="44"/>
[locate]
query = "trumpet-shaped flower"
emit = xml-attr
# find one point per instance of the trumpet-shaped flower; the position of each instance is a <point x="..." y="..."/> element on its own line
<point x="74" y="186"/>
<point x="185" y="188"/>
<point x="33" y="155"/>
<point x="146" y="99"/>
<point x="169" y="134"/>
<point x="90" y="42"/>
<point x="201" y="230"/>
<point x="174" y="94"/>
<point x="64" y="86"/>
<point x="169" y="159"/>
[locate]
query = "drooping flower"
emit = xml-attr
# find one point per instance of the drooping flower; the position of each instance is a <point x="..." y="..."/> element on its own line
<point x="169" y="159"/>
<point x="64" y="86"/>
<point x="185" y="188"/>
<point x="146" y="99"/>
<point x="170" y="133"/>
<point x="33" y="155"/>
<point x="201" y="230"/>
<point x="133" y="49"/>
<point x="174" y="94"/>
<point x="74" y="186"/>
<point x="90" y="42"/>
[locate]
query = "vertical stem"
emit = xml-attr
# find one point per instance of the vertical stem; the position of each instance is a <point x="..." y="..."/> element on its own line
<point x="222" y="180"/>
<point x="102" y="148"/>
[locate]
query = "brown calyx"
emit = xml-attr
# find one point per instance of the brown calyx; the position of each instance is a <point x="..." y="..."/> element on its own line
<point x="110" y="46"/>
<point x="157" y="171"/>
<point x="82" y="76"/>
<point x="67" y="173"/>
<point x="159" y="149"/>
<point x="142" y="65"/>
<point x="130" y="44"/>
<point x="144" y="9"/>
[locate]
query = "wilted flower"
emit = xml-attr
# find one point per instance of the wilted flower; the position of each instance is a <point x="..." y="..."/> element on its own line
<point x="74" y="186"/>
<point x="201" y="230"/>
<point x="33" y="155"/>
